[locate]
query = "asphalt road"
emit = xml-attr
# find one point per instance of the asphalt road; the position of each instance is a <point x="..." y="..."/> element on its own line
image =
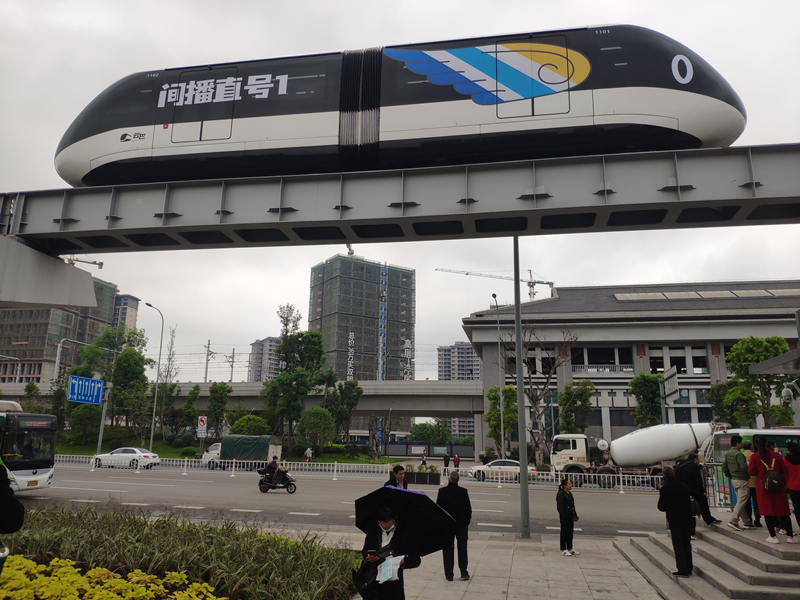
<point x="321" y="503"/>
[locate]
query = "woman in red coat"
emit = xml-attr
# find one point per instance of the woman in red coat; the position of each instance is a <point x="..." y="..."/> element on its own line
<point x="774" y="506"/>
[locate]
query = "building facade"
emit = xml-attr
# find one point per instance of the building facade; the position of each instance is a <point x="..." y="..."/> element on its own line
<point x="609" y="334"/>
<point x="126" y="311"/>
<point x="460" y="363"/>
<point x="365" y="311"/>
<point x="32" y="335"/>
<point x="264" y="364"/>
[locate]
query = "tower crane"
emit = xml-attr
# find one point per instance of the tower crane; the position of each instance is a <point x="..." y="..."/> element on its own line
<point x="530" y="281"/>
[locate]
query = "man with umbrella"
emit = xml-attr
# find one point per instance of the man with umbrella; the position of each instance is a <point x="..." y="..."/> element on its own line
<point x="397" y="523"/>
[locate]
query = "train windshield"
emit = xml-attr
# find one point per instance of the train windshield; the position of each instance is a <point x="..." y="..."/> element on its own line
<point x="29" y="442"/>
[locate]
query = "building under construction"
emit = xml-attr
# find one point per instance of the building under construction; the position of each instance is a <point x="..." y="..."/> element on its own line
<point x="29" y="337"/>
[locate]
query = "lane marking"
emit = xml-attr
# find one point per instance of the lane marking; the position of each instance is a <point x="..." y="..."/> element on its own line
<point x="84" y="489"/>
<point x="134" y="504"/>
<point x="488" y="494"/>
<point x="559" y="528"/>
<point x="495" y="524"/>
<point x="352" y="516"/>
<point x="83" y="500"/>
<point x="348" y="502"/>
<point x="633" y="531"/>
<point x="190" y="507"/>
<point x="493" y="501"/>
<point x="193" y="480"/>
<point x="494" y="510"/>
<point x="304" y="514"/>
<point x="246" y="510"/>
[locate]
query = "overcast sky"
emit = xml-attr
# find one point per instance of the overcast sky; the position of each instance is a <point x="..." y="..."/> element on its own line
<point x="56" y="55"/>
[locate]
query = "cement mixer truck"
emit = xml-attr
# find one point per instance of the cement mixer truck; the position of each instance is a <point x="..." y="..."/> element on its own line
<point x="642" y="452"/>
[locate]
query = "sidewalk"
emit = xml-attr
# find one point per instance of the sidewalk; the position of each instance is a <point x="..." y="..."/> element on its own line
<point x="506" y="567"/>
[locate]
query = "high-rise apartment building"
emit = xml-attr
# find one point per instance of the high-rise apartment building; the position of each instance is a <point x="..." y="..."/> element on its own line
<point x="366" y="313"/>
<point x="458" y="362"/>
<point x="32" y="335"/>
<point x="126" y="311"/>
<point x="264" y="364"/>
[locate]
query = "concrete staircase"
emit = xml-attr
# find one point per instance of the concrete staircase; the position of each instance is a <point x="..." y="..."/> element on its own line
<point x="727" y="564"/>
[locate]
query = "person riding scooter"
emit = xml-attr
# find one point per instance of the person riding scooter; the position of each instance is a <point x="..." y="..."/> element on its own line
<point x="275" y="473"/>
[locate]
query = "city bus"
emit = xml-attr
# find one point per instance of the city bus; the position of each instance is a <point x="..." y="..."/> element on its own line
<point x="28" y="446"/>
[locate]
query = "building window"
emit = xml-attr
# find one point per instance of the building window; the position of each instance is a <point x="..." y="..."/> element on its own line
<point x="656" y="364"/>
<point x="683" y="415"/>
<point x="621" y="418"/>
<point x="700" y="396"/>
<point x="683" y="397"/>
<point x="705" y="414"/>
<point x="699" y="365"/>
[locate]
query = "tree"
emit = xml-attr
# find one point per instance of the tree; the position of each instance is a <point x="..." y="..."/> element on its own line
<point x="172" y="420"/>
<point x="128" y="391"/>
<point x="645" y="386"/>
<point x="317" y="426"/>
<point x="168" y="390"/>
<point x="32" y="401"/>
<point x="283" y="398"/>
<point x="749" y="351"/>
<point x="492" y="416"/>
<point x="290" y="319"/>
<point x="236" y="413"/>
<point x="340" y="403"/>
<point x="250" y="425"/>
<point x="302" y="350"/>
<point x="575" y="405"/>
<point x="85" y="423"/>
<point x="434" y="433"/>
<point x="190" y="412"/>
<point x="218" y="393"/>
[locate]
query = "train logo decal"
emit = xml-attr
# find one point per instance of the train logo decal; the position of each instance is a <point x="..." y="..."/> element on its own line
<point x="499" y="73"/>
<point x="228" y="89"/>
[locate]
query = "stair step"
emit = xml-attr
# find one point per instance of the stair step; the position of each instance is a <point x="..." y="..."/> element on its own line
<point x="736" y="544"/>
<point x="728" y="584"/>
<point x="663" y="583"/>
<point x="693" y="587"/>
<point x="756" y="538"/>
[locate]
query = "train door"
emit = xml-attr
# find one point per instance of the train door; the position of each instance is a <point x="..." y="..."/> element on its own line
<point x="533" y="76"/>
<point x="204" y="112"/>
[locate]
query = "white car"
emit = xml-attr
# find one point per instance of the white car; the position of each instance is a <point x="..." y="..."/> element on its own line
<point x="502" y="469"/>
<point x="130" y="457"/>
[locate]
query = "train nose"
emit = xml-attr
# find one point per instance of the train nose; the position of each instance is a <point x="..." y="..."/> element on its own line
<point x="70" y="165"/>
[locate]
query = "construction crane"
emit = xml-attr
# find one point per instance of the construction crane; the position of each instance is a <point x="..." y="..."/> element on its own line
<point x="71" y="260"/>
<point x="530" y="281"/>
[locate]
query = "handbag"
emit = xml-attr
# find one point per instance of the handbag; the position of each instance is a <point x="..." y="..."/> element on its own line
<point x="694" y="507"/>
<point x="364" y="577"/>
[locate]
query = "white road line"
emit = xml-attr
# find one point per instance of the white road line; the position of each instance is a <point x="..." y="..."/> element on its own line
<point x="134" y="504"/>
<point x="83" y="500"/>
<point x="190" y="507"/>
<point x="151" y="479"/>
<point x="85" y="489"/>
<point x="348" y="502"/>
<point x="632" y="531"/>
<point x="488" y="494"/>
<point x="559" y="528"/>
<point x="487" y="510"/>
<point x="352" y="516"/>
<point x="303" y="514"/>
<point x="246" y="510"/>
<point x="495" y="524"/>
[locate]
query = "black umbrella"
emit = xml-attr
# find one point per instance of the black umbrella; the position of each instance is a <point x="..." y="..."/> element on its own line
<point x="429" y="524"/>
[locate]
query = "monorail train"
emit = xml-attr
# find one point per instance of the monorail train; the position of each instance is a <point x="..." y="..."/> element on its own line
<point x="560" y="93"/>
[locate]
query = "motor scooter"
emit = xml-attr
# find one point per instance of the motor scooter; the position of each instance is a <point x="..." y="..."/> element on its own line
<point x="286" y="483"/>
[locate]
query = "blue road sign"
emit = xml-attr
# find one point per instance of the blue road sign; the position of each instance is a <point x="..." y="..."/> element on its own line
<point x="85" y="390"/>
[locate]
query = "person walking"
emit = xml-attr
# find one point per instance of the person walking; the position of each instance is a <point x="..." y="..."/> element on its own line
<point x="793" y="481"/>
<point x="446" y="460"/>
<point x="675" y="499"/>
<point x="455" y="500"/>
<point x="735" y="466"/>
<point x="398" y="477"/>
<point x="691" y="473"/>
<point x="565" y="503"/>
<point x="388" y="538"/>
<point x="774" y="505"/>
<point x="309" y="454"/>
<point x="752" y="506"/>
<point x="424" y="458"/>
<point x="456" y="461"/>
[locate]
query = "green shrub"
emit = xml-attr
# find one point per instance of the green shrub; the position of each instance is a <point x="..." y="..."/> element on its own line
<point x="177" y="442"/>
<point x="239" y="562"/>
<point x="189" y="451"/>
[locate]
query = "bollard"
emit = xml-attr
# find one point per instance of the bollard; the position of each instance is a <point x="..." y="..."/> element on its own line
<point x="91" y="465"/>
<point x="233" y="468"/>
<point x="185" y="462"/>
<point x="137" y="467"/>
<point x="335" y="464"/>
<point x="621" y="484"/>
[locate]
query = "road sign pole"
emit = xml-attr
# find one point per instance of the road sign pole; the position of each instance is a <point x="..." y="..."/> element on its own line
<point x="663" y="401"/>
<point x="102" y="421"/>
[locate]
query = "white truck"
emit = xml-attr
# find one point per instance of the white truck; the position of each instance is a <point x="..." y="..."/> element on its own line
<point x="642" y="452"/>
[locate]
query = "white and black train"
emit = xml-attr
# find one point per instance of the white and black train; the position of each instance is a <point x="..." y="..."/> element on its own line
<point x="560" y="93"/>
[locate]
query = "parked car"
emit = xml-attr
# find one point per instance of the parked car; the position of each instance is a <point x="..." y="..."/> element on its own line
<point x="502" y="469"/>
<point x="210" y="458"/>
<point x="133" y="458"/>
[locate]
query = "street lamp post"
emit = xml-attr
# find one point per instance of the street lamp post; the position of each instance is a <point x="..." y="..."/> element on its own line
<point x="500" y="382"/>
<point x="158" y="372"/>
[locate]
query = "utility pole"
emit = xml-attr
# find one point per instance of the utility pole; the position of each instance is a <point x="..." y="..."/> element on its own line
<point x="231" y="359"/>
<point x="209" y="356"/>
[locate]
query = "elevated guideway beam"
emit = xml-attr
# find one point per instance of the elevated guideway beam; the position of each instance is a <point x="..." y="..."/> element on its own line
<point x="655" y="190"/>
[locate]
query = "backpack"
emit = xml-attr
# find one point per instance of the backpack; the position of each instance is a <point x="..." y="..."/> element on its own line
<point x="773" y="482"/>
